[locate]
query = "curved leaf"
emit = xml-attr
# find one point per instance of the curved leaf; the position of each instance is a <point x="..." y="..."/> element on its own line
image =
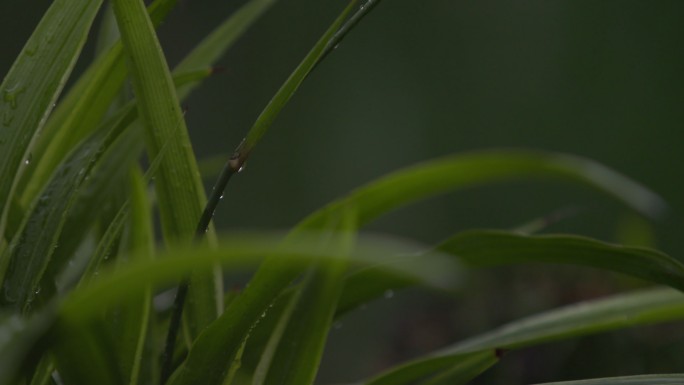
<point x="246" y="250"/>
<point x="494" y="248"/>
<point x="616" y="312"/>
<point x="650" y="379"/>
<point x="477" y="168"/>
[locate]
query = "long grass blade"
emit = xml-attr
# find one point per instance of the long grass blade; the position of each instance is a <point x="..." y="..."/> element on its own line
<point x="612" y="313"/>
<point x="495" y="248"/>
<point x="32" y="85"/>
<point x="650" y="379"/>
<point x="28" y="255"/>
<point x="473" y="169"/>
<point x="179" y="189"/>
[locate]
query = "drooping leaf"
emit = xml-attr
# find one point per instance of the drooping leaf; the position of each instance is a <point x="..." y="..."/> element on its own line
<point x="650" y="379"/>
<point x="461" y="368"/>
<point x="495" y="248"/>
<point x="473" y="169"/>
<point x="616" y="312"/>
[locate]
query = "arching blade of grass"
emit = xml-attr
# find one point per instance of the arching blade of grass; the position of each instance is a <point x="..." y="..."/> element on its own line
<point x="26" y="259"/>
<point x="247" y="250"/>
<point x="179" y="189"/>
<point x="466" y="365"/>
<point x="495" y="248"/>
<point x="650" y="379"/>
<point x="33" y="84"/>
<point x="616" y="312"/>
<point x="453" y="173"/>
<point x="465" y="370"/>
<point x="473" y="169"/>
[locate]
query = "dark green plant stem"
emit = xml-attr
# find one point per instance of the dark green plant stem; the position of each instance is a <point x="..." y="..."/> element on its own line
<point x="346" y="28"/>
<point x="181" y="293"/>
<point x="245" y="148"/>
<point x="234" y="165"/>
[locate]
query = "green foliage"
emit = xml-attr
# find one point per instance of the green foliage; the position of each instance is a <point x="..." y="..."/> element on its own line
<point x="79" y="276"/>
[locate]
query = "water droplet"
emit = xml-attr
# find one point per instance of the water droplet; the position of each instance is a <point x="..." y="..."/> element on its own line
<point x="335" y="46"/>
<point x="7" y="118"/>
<point x="242" y="167"/>
<point x="31" y="48"/>
<point x="37" y="291"/>
<point x="27" y="161"/>
<point x="221" y="197"/>
<point x="388" y="294"/>
<point x="9" y="95"/>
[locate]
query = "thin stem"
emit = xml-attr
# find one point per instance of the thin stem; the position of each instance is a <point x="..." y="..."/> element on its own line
<point x="234" y="165"/>
<point x="182" y="292"/>
<point x="345" y="29"/>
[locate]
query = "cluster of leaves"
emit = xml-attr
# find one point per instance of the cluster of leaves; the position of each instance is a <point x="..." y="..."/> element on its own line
<point x="80" y="268"/>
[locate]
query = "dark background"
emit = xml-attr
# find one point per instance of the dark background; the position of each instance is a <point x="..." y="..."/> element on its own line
<point x="422" y="79"/>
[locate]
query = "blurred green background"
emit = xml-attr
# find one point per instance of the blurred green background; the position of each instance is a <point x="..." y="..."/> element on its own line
<point x="422" y="79"/>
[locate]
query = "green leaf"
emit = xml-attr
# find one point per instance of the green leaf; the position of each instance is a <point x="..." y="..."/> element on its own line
<point x="494" y="248"/>
<point x="477" y="168"/>
<point x="24" y="262"/>
<point x="245" y="250"/>
<point x="286" y="91"/>
<point x="84" y="353"/>
<point x="178" y="185"/>
<point x="466" y="370"/>
<point x="32" y="85"/>
<point x="133" y="317"/>
<point x="293" y="356"/>
<point x="651" y="379"/>
<point x="220" y="342"/>
<point x="616" y="312"/>
<point x="461" y="368"/>
<point x="80" y="111"/>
